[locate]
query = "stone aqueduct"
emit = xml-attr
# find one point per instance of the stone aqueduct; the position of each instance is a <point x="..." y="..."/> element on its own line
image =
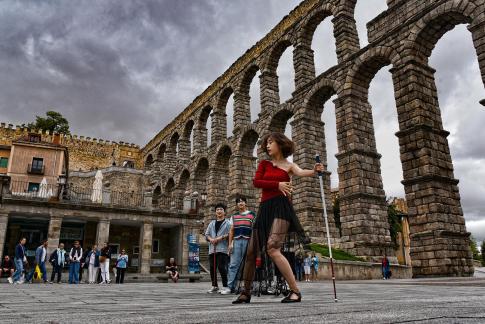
<point x="403" y="36"/>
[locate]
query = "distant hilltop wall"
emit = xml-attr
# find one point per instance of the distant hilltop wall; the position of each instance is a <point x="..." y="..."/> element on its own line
<point x="85" y="153"/>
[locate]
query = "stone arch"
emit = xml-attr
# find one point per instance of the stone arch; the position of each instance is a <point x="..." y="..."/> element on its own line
<point x="426" y="33"/>
<point x="279" y="120"/>
<point x="219" y="176"/>
<point x="247" y="142"/>
<point x="428" y="168"/>
<point x="366" y="66"/>
<point x="430" y="29"/>
<point x="189" y="125"/>
<point x="311" y="22"/>
<point x="245" y="164"/>
<point x="219" y="117"/>
<point x="161" y="151"/>
<point x="272" y="65"/>
<point x="356" y="142"/>
<point x="174" y="142"/>
<point x="320" y="93"/>
<point x="242" y="98"/>
<point x="185" y="142"/>
<point x="200" y="175"/>
<point x="201" y="132"/>
<point x="149" y="160"/>
<point x="169" y="186"/>
<point x="156" y="195"/>
<point x="184" y="179"/>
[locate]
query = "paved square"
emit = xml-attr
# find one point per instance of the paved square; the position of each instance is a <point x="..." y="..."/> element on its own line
<point x="395" y="301"/>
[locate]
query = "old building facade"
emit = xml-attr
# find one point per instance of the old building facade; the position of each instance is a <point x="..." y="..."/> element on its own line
<point x="403" y="37"/>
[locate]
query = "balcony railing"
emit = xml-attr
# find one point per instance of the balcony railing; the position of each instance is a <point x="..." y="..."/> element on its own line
<point x="35" y="169"/>
<point x="88" y="196"/>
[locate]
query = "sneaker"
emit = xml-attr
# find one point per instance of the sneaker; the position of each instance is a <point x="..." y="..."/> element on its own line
<point x="213" y="290"/>
<point x="10" y="280"/>
<point x="225" y="291"/>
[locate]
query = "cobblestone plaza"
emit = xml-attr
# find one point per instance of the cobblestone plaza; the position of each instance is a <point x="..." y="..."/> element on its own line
<point x="377" y="301"/>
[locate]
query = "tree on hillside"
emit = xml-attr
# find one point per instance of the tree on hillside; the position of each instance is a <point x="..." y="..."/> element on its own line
<point x="473" y="246"/>
<point x="53" y="122"/>
<point x="394" y="219"/>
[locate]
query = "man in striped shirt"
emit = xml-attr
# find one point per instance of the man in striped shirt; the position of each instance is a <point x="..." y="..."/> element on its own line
<point x="239" y="235"/>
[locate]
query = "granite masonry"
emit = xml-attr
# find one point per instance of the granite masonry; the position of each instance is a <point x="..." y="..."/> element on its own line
<point x="179" y="159"/>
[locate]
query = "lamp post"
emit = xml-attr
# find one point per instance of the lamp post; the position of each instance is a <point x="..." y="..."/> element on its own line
<point x="61" y="182"/>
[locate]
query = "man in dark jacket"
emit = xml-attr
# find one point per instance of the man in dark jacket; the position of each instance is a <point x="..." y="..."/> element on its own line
<point x="40" y="259"/>
<point x="7" y="267"/>
<point x="75" y="261"/>
<point x="57" y="260"/>
<point x="19" y="260"/>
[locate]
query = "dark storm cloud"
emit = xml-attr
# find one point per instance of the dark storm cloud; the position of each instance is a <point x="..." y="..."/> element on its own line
<point x="121" y="70"/>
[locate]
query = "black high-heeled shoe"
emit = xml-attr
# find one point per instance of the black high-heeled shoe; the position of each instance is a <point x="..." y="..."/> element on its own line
<point x="288" y="299"/>
<point x="245" y="300"/>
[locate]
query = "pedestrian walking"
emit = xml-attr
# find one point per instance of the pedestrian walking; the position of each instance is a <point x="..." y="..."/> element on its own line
<point x="92" y="260"/>
<point x="217" y="234"/>
<point x="58" y="260"/>
<point x="386" y="268"/>
<point x="19" y="260"/>
<point x="121" y="264"/>
<point x="239" y="235"/>
<point x="40" y="259"/>
<point x="276" y="216"/>
<point x="314" y="267"/>
<point x="104" y="260"/>
<point x="75" y="256"/>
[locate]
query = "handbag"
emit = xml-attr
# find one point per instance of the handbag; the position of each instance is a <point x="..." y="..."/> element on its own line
<point x="37" y="273"/>
<point x="102" y="258"/>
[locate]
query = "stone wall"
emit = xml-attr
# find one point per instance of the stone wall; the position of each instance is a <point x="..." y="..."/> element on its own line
<point x="85" y="153"/>
<point x="351" y="270"/>
<point x="114" y="178"/>
<point x="403" y="36"/>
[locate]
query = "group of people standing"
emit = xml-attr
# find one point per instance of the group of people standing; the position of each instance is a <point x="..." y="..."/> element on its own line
<point x="92" y="260"/>
<point x="306" y="267"/>
<point x="246" y="238"/>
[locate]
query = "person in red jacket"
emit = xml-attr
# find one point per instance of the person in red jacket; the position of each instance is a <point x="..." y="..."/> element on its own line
<point x="276" y="216"/>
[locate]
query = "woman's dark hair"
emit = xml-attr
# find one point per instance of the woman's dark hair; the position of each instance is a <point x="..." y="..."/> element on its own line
<point x="286" y="145"/>
<point x="238" y="199"/>
<point x="220" y="205"/>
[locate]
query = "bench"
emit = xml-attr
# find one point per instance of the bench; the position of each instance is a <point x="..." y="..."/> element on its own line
<point x="191" y="277"/>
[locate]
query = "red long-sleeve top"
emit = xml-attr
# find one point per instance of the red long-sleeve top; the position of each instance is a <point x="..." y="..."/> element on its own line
<point x="268" y="177"/>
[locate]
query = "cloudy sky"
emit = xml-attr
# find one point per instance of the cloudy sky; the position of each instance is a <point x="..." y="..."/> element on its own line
<point x="121" y="70"/>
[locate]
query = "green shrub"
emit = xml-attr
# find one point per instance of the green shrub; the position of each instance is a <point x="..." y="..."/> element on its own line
<point x="336" y="253"/>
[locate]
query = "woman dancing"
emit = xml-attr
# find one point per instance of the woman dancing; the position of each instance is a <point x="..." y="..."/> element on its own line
<point x="276" y="216"/>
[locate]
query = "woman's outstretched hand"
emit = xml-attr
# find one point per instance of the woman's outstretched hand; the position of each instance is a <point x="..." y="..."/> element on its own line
<point x="318" y="167"/>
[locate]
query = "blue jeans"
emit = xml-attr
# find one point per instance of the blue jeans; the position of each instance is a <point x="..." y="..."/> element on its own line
<point x="74" y="272"/>
<point x="42" y="269"/>
<point x="237" y="256"/>
<point x="19" y="268"/>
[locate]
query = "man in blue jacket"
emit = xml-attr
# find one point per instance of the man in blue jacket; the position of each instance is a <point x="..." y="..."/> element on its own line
<point x="58" y="260"/>
<point x="40" y="259"/>
<point x="19" y="260"/>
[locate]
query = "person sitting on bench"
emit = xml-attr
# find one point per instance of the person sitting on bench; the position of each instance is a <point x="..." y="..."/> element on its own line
<point x="172" y="270"/>
<point x="7" y="267"/>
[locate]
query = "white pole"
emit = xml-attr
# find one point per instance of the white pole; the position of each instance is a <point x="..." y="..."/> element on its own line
<point x="322" y="192"/>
